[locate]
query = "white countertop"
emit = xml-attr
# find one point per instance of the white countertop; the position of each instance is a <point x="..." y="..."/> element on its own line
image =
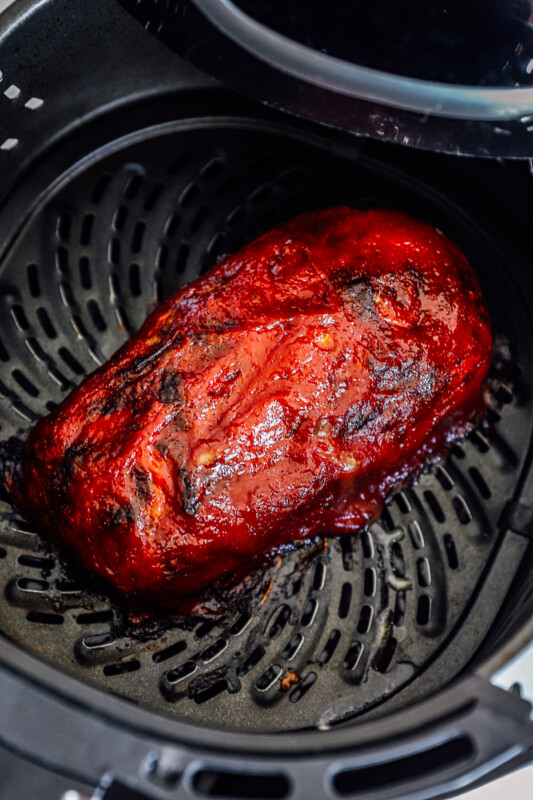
<point x="516" y="786"/>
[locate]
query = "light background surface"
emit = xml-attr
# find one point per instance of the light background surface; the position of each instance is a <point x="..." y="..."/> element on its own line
<point x="518" y="786"/>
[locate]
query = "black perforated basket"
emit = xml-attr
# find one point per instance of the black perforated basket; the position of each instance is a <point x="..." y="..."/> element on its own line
<point x="364" y="669"/>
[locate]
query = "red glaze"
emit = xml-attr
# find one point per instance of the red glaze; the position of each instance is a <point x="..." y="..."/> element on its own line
<point x="285" y="394"/>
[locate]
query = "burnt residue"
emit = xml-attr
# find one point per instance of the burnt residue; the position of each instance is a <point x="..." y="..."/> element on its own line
<point x="11" y="466"/>
<point x="142" y="483"/>
<point x="75" y="455"/>
<point x="148" y="361"/>
<point x="208" y="344"/>
<point x="357" y="298"/>
<point x="393" y="377"/>
<point x="170" y="389"/>
<point x="276" y="575"/>
<point x="118" y="515"/>
<point x="73" y="460"/>
<point x="190" y="499"/>
<point x="357" y="417"/>
<point x="112" y="403"/>
<point x="276" y="578"/>
<point x="206" y="681"/>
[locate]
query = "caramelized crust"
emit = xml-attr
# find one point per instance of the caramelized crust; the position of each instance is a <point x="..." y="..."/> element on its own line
<point x="287" y="393"/>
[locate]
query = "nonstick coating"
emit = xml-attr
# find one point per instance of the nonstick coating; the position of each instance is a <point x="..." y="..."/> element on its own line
<point x="352" y="623"/>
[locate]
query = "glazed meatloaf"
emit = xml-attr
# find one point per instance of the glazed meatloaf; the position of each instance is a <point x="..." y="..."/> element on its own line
<point x="287" y="393"/>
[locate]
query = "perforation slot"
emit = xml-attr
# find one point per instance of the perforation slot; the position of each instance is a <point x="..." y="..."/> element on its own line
<point x="353" y="656"/>
<point x="268" y="678"/>
<point x="180" y="673"/>
<point x="330" y="647"/>
<point x="169" y="652"/>
<point x="365" y="619"/>
<point x="211" y="692"/>
<point x="292" y="648"/>
<point x="123" y="668"/>
<point x="435" y="506"/>
<point x="302" y="688"/>
<point x="279" y="622"/>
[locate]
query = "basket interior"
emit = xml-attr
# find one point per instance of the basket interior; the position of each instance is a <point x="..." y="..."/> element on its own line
<point x="346" y="624"/>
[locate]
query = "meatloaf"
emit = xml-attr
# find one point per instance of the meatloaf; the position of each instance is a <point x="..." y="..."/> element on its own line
<point x="287" y="393"/>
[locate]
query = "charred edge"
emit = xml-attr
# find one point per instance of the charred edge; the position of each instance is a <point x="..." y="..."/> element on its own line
<point x="73" y="458"/>
<point x="75" y="454"/>
<point x="11" y="467"/>
<point x="141" y="363"/>
<point x="113" y="403"/>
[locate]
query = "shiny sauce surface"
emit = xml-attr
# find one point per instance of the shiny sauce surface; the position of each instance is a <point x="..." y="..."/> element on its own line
<point x="287" y="393"/>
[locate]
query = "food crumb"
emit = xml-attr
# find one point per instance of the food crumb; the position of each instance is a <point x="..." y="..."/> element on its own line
<point x="350" y="462"/>
<point x="325" y="342"/>
<point x="322" y="428"/>
<point x="206" y="458"/>
<point x="289" y="679"/>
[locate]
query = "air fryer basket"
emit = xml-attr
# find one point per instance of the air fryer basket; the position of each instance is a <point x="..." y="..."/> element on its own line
<point x="136" y="186"/>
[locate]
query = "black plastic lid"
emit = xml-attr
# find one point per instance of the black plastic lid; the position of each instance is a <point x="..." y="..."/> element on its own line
<point x="452" y="76"/>
<point x="462" y="42"/>
<point x="470" y="59"/>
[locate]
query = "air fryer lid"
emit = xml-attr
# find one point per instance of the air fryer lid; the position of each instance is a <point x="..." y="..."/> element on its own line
<point x="448" y="76"/>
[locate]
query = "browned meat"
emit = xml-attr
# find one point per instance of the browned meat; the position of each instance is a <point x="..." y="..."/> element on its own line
<point x="287" y="393"/>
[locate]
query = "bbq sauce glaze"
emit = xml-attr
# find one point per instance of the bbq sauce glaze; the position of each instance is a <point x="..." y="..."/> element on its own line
<point x="287" y="393"/>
